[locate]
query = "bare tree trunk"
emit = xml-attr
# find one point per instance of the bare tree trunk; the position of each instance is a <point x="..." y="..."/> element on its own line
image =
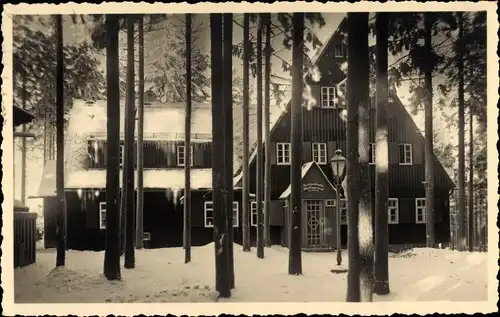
<point x="381" y="265"/>
<point x="461" y="146"/>
<point x="228" y="136"/>
<point x="259" y="181"/>
<point x="44" y="135"/>
<point x="23" y="149"/>
<point x="61" y="217"/>
<point x="129" y="149"/>
<point x="429" y="147"/>
<point x="354" y="99"/>
<point x="295" y="256"/>
<point x="471" y="180"/>
<point x="112" y="246"/>
<point x="140" y="137"/>
<point x="246" y="97"/>
<point x="267" y="133"/>
<point x="220" y="235"/>
<point x="187" y="151"/>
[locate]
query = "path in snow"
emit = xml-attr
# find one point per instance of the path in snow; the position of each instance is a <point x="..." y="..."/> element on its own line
<point x="161" y="276"/>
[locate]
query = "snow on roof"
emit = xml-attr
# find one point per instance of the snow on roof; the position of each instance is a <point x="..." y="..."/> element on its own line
<point x="90" y="118"/>
<point x="47" y="186"/>
<point x="153" y="178"/>
<point x="305" y="169"/>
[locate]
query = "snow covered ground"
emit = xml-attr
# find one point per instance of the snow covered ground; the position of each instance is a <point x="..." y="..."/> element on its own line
<point x="161" y="276"/>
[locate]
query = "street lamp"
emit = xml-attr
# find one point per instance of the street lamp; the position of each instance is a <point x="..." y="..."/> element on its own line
<point x="338" y="163"/>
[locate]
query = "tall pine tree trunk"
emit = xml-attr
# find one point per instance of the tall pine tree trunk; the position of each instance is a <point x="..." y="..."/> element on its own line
<point x="61" y="214"/>
<point x="187" y="144"/>
<point x="354" y="99"/>
<point x="228" y="137"/>
<point x="220" y="235"/>
<point x="461" y="240"/>
<point x="381" y="265"/>
<point x="112" y="245"/>
<point x="246" y="97"/>
<point x="267" y="132"/>
<point x="140" y="138"/>
<point x="129" y="148"/>
<point x="23" y="147"/>
<point x="295" y="256"/>
<point x="471" y="180"/>
<point x="365" y="201"/>
<point x="429" y="147"/>
<point x="260" y="161"/>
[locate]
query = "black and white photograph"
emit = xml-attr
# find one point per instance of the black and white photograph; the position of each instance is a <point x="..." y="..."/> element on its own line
<point x="277" y="154"/>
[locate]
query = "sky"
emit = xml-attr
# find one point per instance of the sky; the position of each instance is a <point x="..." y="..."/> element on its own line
<point x="75" y="33"/>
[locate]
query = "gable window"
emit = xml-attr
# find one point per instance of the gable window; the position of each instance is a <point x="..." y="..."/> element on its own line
<point x="340" y="50"/>
<point x="121" y="154"/>
<point x="328" y="97"/>
<point x="319" y="153"/>
<point x="393" y="210"/>
<point x="372" y="153"/>
<point x="181" y="155"/>
<point x="209" y="214"/>
<point x="405" y="154"/>
<point x="283" y="153"/>
<point x="420" y="210"/>
<point x="102" y="215"/>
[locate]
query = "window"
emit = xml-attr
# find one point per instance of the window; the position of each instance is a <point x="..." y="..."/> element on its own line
<point x="319" y="153"/>
<point x="253" y="213"/>
<point x="283" y="153"/>
<point x="372" y="153"/>
<point x="405" y="154"/>
<point x="209" y="214"/>
<point x="393" y="210"/>
<point x="328" y="97"/>
<point x="340" y="50"/>
<point x="121" y="154"/>
<point x="181" y="155"/>
<point x="330" y="203"/>
<point x="343" y="212"/>
<point x="420" y="210"/>
<point x="102" y="215"/>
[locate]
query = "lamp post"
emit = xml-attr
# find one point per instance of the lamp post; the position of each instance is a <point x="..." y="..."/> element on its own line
<point x="338" y="163"/>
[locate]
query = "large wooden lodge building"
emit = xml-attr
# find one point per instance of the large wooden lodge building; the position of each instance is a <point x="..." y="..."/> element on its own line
<point x="324" y="131"/>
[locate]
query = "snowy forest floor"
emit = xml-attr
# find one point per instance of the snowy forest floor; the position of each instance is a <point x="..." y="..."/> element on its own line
<point x="161" y="276"/>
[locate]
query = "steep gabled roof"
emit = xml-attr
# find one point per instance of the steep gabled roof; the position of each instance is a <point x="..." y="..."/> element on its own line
<point x="315" y="61"/>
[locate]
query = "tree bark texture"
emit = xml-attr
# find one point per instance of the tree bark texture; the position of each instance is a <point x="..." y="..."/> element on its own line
<point x="246" y="97"/>
<point x="260" y="180"/>
<point x="187" y="144"/>
<point x="267" y="132"/>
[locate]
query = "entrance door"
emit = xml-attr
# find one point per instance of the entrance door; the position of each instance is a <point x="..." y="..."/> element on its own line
<point x="315" y="220"/>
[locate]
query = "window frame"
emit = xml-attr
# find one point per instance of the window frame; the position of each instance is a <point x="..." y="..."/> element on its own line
<point x="184" y="155"/>
<point x="328" y="89"/>
<point x="373" y="151"/>
<point x="286" y="149"/>
<point x="423" y="209"/>
<point x="121" y="150"/>
<point x="396" y="208"/>
<point x="343" y="49"/>
<point x="236" y="217"/>
<point x="101" y="218"/>
<point x="330" y="203"/>
<point x="343" y="211"/>
<point x="404" y="153"/>
<point x="319" y="150"/>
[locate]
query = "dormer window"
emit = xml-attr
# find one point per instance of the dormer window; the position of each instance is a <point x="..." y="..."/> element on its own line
<point x="328" y="97"/>
<point x="340" y="50"/>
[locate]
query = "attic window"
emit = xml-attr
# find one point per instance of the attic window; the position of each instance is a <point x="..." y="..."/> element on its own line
<point x="89" y="103"/>
<point x="340" y="50"/>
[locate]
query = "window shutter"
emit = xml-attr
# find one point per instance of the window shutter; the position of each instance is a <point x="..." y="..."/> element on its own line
<point x="273" y="153"/>
<point x="406" y="210"/>
<point x="307" y="152"/>
<point x="393" y="153"/>
<point x="418" y="154"/>
<point x="198" y="155"/>
<point x="92" y="212"/>
<point x="330" y="151"/>
<point x="276" y="213"/>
